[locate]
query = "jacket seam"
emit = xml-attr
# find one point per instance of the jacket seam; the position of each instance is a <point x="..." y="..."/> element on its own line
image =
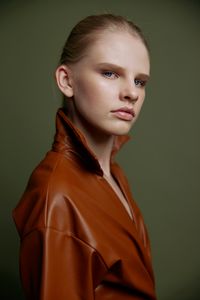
<point x="70" y="235"/>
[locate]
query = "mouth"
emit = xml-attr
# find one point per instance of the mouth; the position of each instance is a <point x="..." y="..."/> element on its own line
<point x="124" y="113"/>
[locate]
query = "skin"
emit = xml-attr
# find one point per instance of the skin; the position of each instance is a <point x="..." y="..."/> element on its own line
<point x="110" y="77"/>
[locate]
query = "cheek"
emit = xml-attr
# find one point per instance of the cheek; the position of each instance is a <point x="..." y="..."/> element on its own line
<point x="140" y="103"/>
<point x="87" y="99"/>
<point x="84" y="88"/>
<point x="94" y="92"/>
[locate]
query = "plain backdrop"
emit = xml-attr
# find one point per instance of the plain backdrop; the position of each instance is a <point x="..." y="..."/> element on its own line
<point x="162" y="159"/>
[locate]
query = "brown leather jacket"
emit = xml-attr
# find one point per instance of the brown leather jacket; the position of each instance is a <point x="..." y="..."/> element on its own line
<point x="77" y="240"/>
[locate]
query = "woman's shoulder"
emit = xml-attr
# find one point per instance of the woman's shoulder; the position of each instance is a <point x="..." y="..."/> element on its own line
<point x="44" y="199"/>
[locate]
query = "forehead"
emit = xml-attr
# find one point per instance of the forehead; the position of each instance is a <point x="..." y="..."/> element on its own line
<point x="121" y="48"/>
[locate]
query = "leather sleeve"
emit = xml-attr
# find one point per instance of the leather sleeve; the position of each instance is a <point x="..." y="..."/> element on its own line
<point x="57" y="266"/>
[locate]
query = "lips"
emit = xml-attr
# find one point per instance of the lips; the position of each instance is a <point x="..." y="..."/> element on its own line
<point x="124" y="113"/>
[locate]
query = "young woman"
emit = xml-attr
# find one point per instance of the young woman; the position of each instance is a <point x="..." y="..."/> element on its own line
<point x="82" y="235"/>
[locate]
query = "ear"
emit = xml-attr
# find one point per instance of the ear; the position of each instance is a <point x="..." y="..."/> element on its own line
<point x="64" y="80"/>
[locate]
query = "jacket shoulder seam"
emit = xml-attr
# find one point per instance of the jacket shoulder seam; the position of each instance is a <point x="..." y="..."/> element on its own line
<point x="67" y="234"/>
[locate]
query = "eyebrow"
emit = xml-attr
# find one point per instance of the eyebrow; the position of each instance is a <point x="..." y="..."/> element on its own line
<point x="110" y="65"/>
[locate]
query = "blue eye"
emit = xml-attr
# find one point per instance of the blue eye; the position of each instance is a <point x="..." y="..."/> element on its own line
<point x="139" y="82"/>
<point x="109" y="74"/>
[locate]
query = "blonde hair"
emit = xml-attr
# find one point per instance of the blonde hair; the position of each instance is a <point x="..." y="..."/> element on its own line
<point x="85" y="33"/>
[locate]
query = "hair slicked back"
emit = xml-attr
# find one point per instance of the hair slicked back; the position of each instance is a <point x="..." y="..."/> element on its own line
<point x="86" y="31"/>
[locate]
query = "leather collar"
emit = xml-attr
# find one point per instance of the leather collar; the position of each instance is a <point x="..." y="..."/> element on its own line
<point x="69" y="139"/>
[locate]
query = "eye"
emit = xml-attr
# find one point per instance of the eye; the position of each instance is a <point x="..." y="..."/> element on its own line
<point x="139" y="82"/>
<point x="110" y="74"/>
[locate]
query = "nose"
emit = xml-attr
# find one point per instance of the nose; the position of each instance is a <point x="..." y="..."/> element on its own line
<point x="129" y="92"/>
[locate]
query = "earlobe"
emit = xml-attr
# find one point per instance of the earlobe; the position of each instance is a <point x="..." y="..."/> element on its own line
<point x="64" y="80"/>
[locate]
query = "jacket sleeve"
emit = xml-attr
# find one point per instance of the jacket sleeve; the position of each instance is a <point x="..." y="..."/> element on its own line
<point x="58" y="266"/>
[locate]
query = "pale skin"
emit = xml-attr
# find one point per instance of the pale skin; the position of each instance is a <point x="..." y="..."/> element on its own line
<point x="106" y="90"/>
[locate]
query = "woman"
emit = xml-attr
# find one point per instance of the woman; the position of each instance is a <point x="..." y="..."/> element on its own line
<point x="82" y="235"/>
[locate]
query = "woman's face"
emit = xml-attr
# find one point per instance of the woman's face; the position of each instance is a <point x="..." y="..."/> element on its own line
<point x="108" y="84"/>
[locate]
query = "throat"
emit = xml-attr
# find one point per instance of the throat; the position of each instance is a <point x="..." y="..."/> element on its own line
<point x="118" y="191"/>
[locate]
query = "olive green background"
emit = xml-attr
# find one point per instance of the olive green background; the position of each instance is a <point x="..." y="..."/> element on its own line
<point x="162" y="159"/>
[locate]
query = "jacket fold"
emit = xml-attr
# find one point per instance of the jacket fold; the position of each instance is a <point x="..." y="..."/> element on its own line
<point x="77" y="240"/>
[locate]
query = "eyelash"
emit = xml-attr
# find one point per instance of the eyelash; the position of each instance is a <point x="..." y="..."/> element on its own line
<point x="141" y="82"/>
<point x="105" y="73"/>
<point x="137" y="82"/>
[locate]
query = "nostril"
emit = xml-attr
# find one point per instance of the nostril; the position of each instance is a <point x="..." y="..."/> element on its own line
<point x="129" y="94"/>
<point x="132" y="98"/>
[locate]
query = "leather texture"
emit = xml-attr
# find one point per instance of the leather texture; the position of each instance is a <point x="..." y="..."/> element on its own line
<point x="77" y="240"/>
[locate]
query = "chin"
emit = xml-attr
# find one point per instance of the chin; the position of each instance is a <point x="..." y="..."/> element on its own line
<point x="121" y="131"/>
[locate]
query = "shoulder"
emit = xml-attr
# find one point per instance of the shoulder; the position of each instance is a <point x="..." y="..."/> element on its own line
<point x="45" y="202"/>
